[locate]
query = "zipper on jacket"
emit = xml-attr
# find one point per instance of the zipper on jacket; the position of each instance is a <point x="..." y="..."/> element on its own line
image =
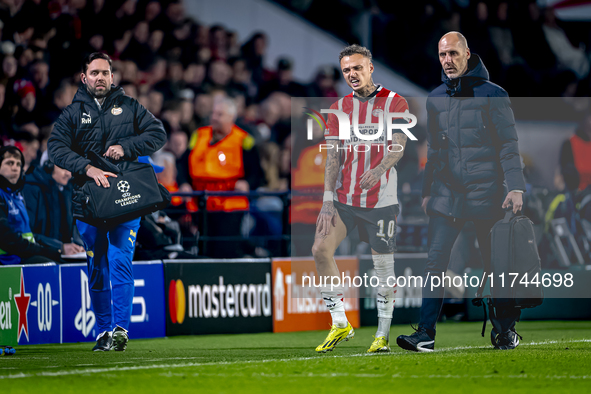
<point x="101" y="119"/>
<point x="448" y="116"/>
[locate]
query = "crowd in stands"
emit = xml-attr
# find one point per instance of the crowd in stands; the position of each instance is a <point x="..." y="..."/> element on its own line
<point x="172" y="64"/>
<point x="191" y="75"/>
<point x="525" y="47"/>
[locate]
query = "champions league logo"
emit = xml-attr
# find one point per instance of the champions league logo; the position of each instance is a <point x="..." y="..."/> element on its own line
<point x="128" y="199"/>
<point x="123" y="187"/>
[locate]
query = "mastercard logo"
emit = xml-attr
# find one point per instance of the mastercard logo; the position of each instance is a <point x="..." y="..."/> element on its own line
<point x="176" y="301"/>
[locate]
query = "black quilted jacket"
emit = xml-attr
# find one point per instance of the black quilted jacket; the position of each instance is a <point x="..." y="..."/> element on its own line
<point x="83" y="128"/>
<point x="473" y="146"/>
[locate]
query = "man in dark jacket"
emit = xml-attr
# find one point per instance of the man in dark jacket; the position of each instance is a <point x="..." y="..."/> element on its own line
<point x="48" y="196"/>
<point x="18" y="242"/>
<point x="473" y="152"/>
<point x="103" y="121"/>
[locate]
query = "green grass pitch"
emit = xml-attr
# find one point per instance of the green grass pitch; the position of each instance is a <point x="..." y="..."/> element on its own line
<point x="554" y="356"/>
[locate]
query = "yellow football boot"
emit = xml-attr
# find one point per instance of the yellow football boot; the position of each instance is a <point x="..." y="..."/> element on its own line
<point x="379" y="345"/>
<point x="336" y="336"/>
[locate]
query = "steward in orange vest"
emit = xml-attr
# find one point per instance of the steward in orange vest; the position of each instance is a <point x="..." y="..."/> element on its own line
<point x="576" y="152"/>
<point x="223" y="158"/>
<point x="308" y="178"/>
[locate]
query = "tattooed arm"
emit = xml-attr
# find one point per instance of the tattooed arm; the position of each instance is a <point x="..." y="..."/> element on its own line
<point x="371" y="177"/>
<point x="328" y="214"/>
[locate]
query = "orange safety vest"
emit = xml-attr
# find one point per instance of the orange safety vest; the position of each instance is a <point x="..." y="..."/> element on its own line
<point x="582" y="156"/>
<point x="308" y="177"/>
<point x="217" y="167"/>
<point x="175" y="201"/>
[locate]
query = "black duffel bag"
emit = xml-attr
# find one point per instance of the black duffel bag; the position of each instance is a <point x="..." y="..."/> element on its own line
<point x="134" y="193"/>
<point x="515" y="258"/>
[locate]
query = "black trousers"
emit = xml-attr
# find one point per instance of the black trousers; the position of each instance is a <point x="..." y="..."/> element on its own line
<point x="443" y="232"/>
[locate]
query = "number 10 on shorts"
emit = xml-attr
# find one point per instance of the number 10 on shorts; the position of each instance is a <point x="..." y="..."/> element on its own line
<point x="391" y="228"/>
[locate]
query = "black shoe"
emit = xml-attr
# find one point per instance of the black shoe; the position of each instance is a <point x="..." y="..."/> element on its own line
<point x="420" y="341"/>
<point x="103" y="342"/>
<point x="120" y="339"/>
<point x="505" y="341"/>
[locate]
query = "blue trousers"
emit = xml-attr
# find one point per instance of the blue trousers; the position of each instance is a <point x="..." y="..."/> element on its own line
<point x="443" y="232"/>
<point x="109" y="253"/>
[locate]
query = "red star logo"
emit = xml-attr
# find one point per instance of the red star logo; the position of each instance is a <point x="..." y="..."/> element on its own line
<point x="22" y="304"/>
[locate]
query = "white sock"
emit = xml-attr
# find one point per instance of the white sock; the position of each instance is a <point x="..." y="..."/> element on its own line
<point x="384" y="267"/>
<point x="334" y="302"/>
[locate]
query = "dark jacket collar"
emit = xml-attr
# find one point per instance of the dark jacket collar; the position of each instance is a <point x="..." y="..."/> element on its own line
<point x="9" y="187"/>
<point x="83" y="96"/>
<point x="39" y="176"/>
<point x="463" y="86"/>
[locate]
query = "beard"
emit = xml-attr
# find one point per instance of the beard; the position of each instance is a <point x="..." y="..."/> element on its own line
<point x="98" y="94"/>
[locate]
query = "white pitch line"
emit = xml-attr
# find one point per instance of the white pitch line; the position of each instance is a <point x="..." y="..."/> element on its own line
<point x="162" y="366"/>
<point x="345" y="374"/>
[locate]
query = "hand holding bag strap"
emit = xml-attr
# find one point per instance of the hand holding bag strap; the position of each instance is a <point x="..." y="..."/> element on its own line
<point x="100" y="162"/>
<point x="509" y="214"/>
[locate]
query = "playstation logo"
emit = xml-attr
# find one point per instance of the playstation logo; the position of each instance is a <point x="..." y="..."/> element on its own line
<point x="85" y="319"/>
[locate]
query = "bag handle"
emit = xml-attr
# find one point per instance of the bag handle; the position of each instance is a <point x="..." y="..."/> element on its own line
<point x="102" y="163"/>
<point x="509" y="214"/>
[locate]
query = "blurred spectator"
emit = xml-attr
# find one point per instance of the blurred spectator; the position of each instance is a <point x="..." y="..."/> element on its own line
<point x="27" y="102"/>
<point x="193" y="76"/>
<point x="270" y="113"/>
<point x="253" y="52"/>
<point x="168" y="176"/>
<point x="324" y="84"/>
<point x="129" y="88"/>
<point x="18" y="242"/>
<point x="153" y="14"/>
<point x="283" y="82"/>
<point x="138" y="49"/>
<point x="308" y="187"/>
<point x="219" y="75"/>
<point x="187" y="120"/>
<point x="570" y="57"/>
<point x="156" y="73"/>
<point x="62" y="97"/>
<point x="129" y="72"/>
<point x="9" y="67"/>
<point x="172" y="85"/>
<point x="40" y="78"/>
<point x="29" y="144"/>
<point x="218" y="42"/>
<point x="171" y="116"/>
<point x="4" y="114"/>
<point x="575" y="154"/>
<point x="203" y="107"/>
<point x="48" y="197"/>
<point x="178" y="145"/>
<point x="241" y="78"/>
<point x="155" y="43"/>
<point x="156" y="102"/>
<point x="224" y="158"/>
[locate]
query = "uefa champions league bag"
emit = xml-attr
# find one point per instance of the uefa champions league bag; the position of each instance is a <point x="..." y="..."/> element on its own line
<point x="134" y="193"/>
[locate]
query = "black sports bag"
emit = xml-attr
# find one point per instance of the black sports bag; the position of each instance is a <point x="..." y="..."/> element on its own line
<point x="515" y="258"/>
<point x="134" y="193"/>
<point x="515" y="264"/>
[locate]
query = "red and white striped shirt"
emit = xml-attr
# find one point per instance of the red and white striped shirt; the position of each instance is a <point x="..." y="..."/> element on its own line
<point x="359" y="156"/>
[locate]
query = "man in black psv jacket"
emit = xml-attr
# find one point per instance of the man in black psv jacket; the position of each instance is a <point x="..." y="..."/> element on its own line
<point x="473" y="171"/>
<point x="102" y="120"/>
